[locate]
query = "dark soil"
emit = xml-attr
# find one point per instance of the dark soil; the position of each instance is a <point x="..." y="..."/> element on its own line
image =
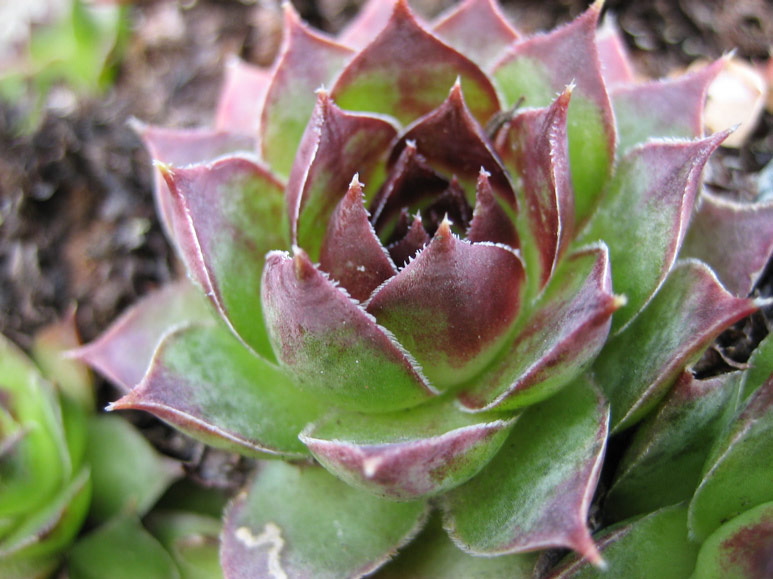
<point x="77" y="222"/>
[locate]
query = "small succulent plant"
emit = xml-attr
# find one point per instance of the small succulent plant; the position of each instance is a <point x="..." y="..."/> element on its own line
<point x="441" y="283"/>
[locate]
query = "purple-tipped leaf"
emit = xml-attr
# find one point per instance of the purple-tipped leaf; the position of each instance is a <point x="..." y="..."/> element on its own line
<point x="639" y="365"/>
<point x="406" y="71"/>
<point x="536" y="492"/>
<point x="477" y="29"/>
<point x="404" y="250"/>
<point x="535" y="147"/>
<point x="673" y="439"/>
<point x="453" y="306"/>
<point x="307" y="61"/>
<point x="335" y="146"/>
<point x="662" y="108"/>
<point x="205" y="383"/>
<point x="123" y="353"/>
<point x="234" y="214"/>
<point x="351" y="252"/>
<point x="330" y="345"/>
<point x="490" y="221"/>
<point x="737" y="474"/>
<point x="408" y="454"/>
<point x="371" y="19"/>
<point x="557" y="340"/>
<point x="616" y="66"/>
<point x="453" y="142"/>
<point x="735" y="239"/>
<point x="241" y="98"/>
<point x="645" y="214"/>
<point x="303" y="522"/>
<point x="541" y="66"/>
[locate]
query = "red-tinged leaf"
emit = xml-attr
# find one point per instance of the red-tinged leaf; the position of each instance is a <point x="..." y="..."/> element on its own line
<point x="453" y="306"/>
<point x="351" y="252"/>
<point x="464" y="153"/>
<point x="335" y="146"/>
<point x="139" y="331"/>
<point x="180" y="147"/>
<point x="406" y="71"/>
<point x="233" y="212"/>
<point x="306" y="62"/>
<point x="655" y="545"/>
<point x="477" y="29"/>
<point x="735" y="239"/>
<point x="616" y="67"/>
<point x="432" y="555"/>
<point x="330" y="345"/>
<point x="639" y="365"/>
<point x="535" y="147"/>
<point x="205" y="383"/>
<point x="737" y="474"/>
<point x="300" y="521"/>
<point x="541" y="66"/>
<point x="645" y="214"/>
<point x="490" y="221"/>
<point x="408" y="454"/>
<point x="404" y="250"/>
<point x="561" y="336"/>
<point x="673" y="439"/>
<point x="742" y="547"/>
<point x="370" y="20"/>
<point x="411" y="180"/>
<point x="662" y="108"/>
<point x="241" y="98"/>
<point x="536" y="492"/>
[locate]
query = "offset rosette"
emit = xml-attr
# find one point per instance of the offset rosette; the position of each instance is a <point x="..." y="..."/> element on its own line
<point x="415" y="252"/>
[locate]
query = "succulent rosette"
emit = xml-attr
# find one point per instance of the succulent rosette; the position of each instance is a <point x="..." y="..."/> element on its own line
<point x="443" y="263"/>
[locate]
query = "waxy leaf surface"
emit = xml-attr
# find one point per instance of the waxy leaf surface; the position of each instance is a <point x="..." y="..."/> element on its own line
<point x="645" y="213"/>
<point x="737" y="473"/>
<point x="652" y="546"/>
<point x="616" y="66"/>
<point x="536" y="492"/>
<point x="760" y="368"/>
<point x="537" y="68"/>
<point x="193" y="541"/>
<point x="410" y="453"/>
<point x="330" y="345"/>
<point x="563" y="333"/>
<point x="234" y="213"/>
<point x="673" y="439"/>
<point x="285" y="524"/>
<point x="335" y="146"/>
<point x="453" y="306"/>
<point x="490" y="221"/>
<point x="735" y="239"/>
<point x="204" y="382"/>
<point x="307" y="61"/>
<point x="235" y="113"/>
<point x="406" y="73"/>
<point x="638" y="366"/>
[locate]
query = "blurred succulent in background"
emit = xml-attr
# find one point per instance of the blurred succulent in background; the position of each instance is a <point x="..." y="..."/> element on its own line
<point x="409" y="301"/>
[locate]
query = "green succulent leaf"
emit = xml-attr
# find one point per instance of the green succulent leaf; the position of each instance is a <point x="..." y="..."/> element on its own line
<point x="463" y="25"/>
<point x="307" y="61"/>
<point x="673" y="439"/>
<point x="204" y="382"/>
<point x="655" y="545"/>
<point x="406" y="71"/>
<point x="740" y="548"/>
<point x="737" y="474"/>
<point x="536" y="492"/>
<point x="120" y="549"/>
<point x="192" y="540"/>
<point x="557" y="340"/>
<point x="127" y="473"/>
<point x="662" y="108"/>
<point x="735" y="239"/>
<point x="285" y="524"/>
<point x="686" y="315"/>
<point x="760" y="368"/>
<point x="407" y="454"/>
<point x="139" y="331"/>
<point x="537" y="68"/>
